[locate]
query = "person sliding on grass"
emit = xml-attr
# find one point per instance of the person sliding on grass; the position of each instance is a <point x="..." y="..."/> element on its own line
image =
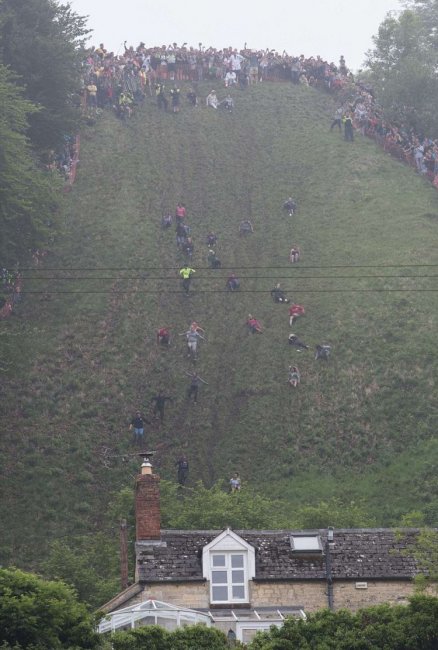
<point x="253" y="325"/>
<point x="322" y="352"/>
<point x="163" y="336"/>
<point x="294" y="376"/>
<point x="294" y="312"/>
<point x="290" y="206"/>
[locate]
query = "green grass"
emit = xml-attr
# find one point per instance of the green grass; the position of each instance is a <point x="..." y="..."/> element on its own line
<point x="78" y="365"/>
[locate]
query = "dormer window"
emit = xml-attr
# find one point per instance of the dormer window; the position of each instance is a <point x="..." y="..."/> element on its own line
<point x="229" y="581"/>
<point x="228" y="564"/>
<point x="306" y="543"/>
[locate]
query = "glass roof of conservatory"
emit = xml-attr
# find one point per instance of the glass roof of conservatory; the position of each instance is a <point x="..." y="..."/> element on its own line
<point x="151" y="612"/>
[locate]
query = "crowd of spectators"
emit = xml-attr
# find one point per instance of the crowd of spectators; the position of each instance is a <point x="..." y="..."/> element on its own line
<point x="142" y="70"/>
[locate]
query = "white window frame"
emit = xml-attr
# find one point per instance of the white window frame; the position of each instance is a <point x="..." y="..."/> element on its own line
<point x="229" y="583"/>
<point x="228" y="544"/>
<point x="306" y="543"/>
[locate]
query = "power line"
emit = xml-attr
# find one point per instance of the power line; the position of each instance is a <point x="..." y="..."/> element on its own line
<point x="202" y="268"/>
<point x="196" y="292"/>
<point x="241" y="277"/>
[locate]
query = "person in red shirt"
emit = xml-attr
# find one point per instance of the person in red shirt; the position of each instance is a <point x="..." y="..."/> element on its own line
<point x="295" y="311"/>
<point x="180" y="213"/>
<point x="253" y="325"/>
<point x="163" y="336"/>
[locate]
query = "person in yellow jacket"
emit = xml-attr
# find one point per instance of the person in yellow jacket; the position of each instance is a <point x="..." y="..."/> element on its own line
<point x="186" y="274"/>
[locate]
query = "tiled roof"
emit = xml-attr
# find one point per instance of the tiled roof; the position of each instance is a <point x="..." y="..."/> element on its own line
<point x="357" y="554"/>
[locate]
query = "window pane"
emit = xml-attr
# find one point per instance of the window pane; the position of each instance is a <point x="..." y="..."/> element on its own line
<point x="310" y="543"/>
<point x="220" y="593"/>
<point x="237" y="561"/>
<point x="238" y="591"/>
<point x="219" y="577"/>
<point x="218" y="560"/>
<point x="237" y="576"/>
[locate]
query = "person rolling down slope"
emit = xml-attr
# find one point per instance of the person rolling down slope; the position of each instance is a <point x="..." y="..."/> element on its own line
<point x="278" y="295"/>
<point x="294" y="340"/>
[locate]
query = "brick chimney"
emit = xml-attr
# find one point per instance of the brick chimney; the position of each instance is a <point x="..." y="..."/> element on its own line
<point x="147" y="503"/>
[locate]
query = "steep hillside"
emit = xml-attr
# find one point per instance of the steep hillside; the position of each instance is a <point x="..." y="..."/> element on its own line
<point x="80" y="353"/>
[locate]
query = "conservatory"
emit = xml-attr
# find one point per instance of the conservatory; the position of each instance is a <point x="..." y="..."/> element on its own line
<point x="152" y="612"/>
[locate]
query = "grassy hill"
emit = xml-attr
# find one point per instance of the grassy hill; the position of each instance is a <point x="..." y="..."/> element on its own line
<point x="79" y="354"/>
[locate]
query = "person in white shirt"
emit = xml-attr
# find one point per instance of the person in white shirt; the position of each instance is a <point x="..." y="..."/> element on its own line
<point x="212" y="100"/>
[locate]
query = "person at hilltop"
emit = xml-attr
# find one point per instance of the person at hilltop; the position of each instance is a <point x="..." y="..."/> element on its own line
<point x="295" y="311"/>
<point x="278" y="295"/>
<point x="212" y="100"/>
<point x="160" y="93"/>
<point x="163" y="336"/>
<point x="175" y="97"/>
<point x="160" y="400"/>
<point x="348" y="127"/>
<point x="137" y="425"/>
<point x="253" y="325"/>
<point x="295" y="341"/>
<point x="235" y="483"/>
<point x="337" y="119"/>
<point x="227" y="103"/>
<point x="183" y="470"/>
<point x="186" y="274"/>
<point x="195" y="382"/>
<point x="192" y="97"/>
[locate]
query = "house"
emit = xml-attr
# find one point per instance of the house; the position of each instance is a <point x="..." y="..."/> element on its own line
<point x="246" y="580"/>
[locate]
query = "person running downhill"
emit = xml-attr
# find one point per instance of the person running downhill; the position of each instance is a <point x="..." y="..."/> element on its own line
<point x="290" y="206"/>
<point x="137" y="424"/>
<point x="195" y="382"/>
<point x="186" y="274"/>
<point x="160" y="400"/>
<point x="233" y="282"/>
<point x="278" y="295"/>
<point x="192" y="336"/>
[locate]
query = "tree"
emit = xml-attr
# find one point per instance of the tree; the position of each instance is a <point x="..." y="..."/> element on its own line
<point x="411" y="627"/>
<point x="153" y="637"/>
<point x="403" y="66"/>
<point x="42" y="42"/>
<point x="42" y="615"/>
<point x="27" y="198"/>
